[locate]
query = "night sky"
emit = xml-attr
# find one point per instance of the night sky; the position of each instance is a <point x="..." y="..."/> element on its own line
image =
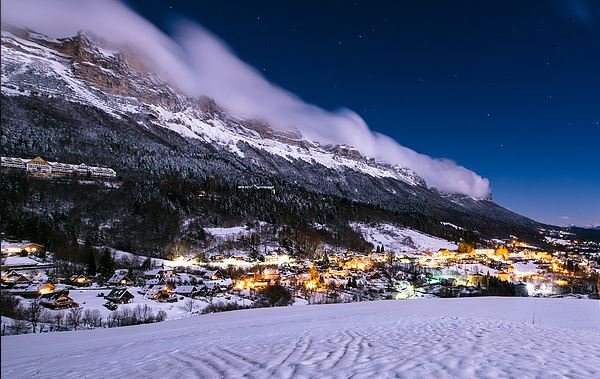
<point x="509" y="89"/>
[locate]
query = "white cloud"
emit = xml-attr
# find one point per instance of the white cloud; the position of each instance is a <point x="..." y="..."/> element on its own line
<point x="199" y="63"/>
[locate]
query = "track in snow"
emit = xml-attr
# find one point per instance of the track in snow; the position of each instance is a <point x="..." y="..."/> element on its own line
<point x="454" y="338"/>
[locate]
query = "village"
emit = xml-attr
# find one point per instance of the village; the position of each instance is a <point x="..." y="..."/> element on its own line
<point x="131" y="289"/>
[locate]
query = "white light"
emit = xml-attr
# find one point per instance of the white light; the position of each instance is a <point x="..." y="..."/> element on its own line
<point x="530" y="288"/>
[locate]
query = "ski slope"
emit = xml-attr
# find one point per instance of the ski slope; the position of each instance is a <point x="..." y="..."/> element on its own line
<point x="427" y="338"/>
<point x="402" y="240"/>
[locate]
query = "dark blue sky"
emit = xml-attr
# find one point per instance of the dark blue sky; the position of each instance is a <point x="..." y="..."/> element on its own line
<point x="509" y="89"/>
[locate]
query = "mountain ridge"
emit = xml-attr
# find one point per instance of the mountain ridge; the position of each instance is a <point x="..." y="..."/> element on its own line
<point x="97" y="105"/>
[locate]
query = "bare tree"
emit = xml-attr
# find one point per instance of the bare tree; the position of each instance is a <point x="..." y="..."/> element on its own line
<point x="19" y="326"/>
<point x="34" y="313"/>
<point x="161" y="316"/>
<point x="74" y="317"/>
<point x="59" y="318"/>
<point x="127" y="316"/>
<point x="92" y="318"/>
<point x="189" y="305"/>
<point x="143" y="314"/>
<point x="113" y="319"/>
<point x="45" y="320"/>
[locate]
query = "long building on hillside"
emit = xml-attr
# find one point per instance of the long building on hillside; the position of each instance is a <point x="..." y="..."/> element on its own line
<point x="39" y="166"/>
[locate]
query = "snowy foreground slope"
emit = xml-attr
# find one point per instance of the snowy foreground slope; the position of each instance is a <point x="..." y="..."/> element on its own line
<point x="428" y="338"/>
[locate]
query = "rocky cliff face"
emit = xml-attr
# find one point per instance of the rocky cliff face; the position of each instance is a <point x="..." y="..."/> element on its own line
<point x="118" y="81"/>
<point x="103" y="102"/>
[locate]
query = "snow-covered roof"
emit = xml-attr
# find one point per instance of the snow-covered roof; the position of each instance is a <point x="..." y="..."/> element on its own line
<point x="186" y="289"/>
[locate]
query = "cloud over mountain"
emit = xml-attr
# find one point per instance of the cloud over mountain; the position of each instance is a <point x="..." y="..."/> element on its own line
<point x="199" y="63"/>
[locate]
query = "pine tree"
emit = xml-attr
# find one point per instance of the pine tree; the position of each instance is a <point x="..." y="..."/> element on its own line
<point x="107" y="264"/>
<point x="90" y="260"/>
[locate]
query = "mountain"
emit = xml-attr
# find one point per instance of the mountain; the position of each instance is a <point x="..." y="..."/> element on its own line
<point x="79" y="100"/>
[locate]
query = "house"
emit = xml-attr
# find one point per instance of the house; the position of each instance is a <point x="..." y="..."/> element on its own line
<point x="150" y="290"/>
<point x="120" y="280"/>
<point x="39" y="166"/>
<point x="158" y="273"/>
<point x="13" y="278"/>
<point x="9" y="275"/>
<point x="46" y="289"/>
<point x="189" y="291"/>
<point x="119" y="296"/>
<point x="80" y="280"/>
<point x="212" y="275"/>
<point x="151" y="282"/>
<point x="58" y="300"/>
<point x="165" y="295"/>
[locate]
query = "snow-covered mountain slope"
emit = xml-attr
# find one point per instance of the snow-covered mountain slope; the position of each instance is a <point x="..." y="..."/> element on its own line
<point x="76" y="100"/>
<point x="402" y="240"/>
<point x="427" y="338"/>
<point x="82" y="70"/>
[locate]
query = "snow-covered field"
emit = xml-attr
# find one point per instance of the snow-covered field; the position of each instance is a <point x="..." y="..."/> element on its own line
<point x="402" y="240"/>
<point x="228" y="232"/>
<point x="427" y="338"/>
<point x="19" y="261"/>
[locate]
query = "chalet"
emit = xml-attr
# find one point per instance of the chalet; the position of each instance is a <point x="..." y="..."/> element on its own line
<point x="13" y="278"/>
<point x="46" y="289"/>
<point x="58" y="300"/>
<point x="120" y="296"/>
<point x="38" y="166"/>
<point x="165" y="295"/>
<point x="212" y="275"/>
<point x="120" y="280"/>
<point x="80" y="280"/>
<point x="189" y="291"/>
<point x="150" y="290"/>
<point x="154" y="281"/>
<point x="9" y="275"/>
<point x="159" y="273"/>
